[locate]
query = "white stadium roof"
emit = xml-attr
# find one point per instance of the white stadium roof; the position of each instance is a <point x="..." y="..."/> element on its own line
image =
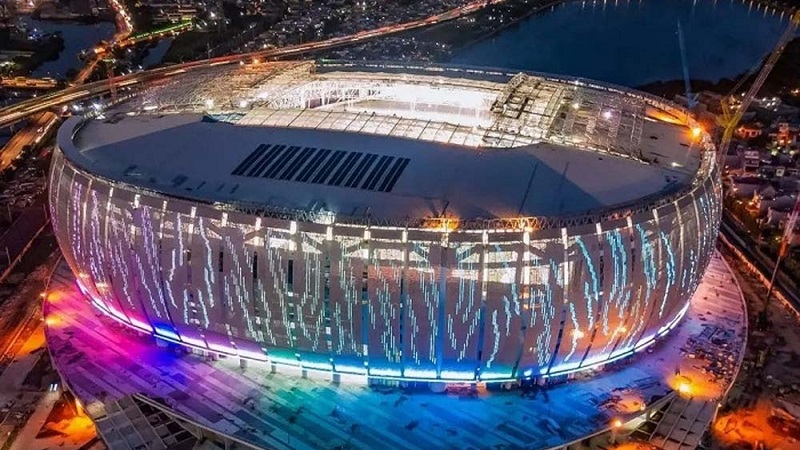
<point x="391" y="146"/>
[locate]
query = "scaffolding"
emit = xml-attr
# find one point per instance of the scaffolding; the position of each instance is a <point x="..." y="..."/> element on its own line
<point x="221" y="89"/>
<point x="531" y="109"/>
<point x="525" y="110"/>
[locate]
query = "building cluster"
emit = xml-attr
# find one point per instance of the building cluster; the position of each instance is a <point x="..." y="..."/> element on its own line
<point x="70" y="9"/>
<point x="174" y="11"/>
<point x="402" y="48"/>
<point x="329" y="18"/>
<point x="332" y="18"/>
<point x="764" y="166"/>
<point x="262" y="24"/>
<point x="171" y="11"/>
<point x="11" y="11"/>
<point x="295" y="21"/>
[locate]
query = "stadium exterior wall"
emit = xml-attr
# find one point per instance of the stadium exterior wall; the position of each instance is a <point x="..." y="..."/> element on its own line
<point x="384" y="302"/>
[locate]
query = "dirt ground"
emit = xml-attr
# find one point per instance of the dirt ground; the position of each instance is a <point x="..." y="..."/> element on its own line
<point x="770" y="373"/>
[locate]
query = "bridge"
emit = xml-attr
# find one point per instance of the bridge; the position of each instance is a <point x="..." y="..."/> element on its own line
<point x="133" y="39"/>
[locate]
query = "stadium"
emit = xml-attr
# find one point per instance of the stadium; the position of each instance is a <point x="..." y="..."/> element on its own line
<point x="388" y="221"/>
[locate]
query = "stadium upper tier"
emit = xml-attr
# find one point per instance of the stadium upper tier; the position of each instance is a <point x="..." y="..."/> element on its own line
<point x="433" y="223"/>
<point x="397" y="148"/>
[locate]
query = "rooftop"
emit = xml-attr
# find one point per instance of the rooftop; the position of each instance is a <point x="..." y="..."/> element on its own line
<point x="392" y="146"/>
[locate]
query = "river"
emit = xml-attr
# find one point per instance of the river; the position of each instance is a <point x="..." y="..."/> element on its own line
<point x="634" y="42"/>
<point x="77" y="37"/>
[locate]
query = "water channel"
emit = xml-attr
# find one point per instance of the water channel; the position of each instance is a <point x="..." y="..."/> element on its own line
<point x="634" y="42"/>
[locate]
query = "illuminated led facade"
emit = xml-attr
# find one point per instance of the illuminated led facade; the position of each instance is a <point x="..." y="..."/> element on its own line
<point x="450" y="302"/>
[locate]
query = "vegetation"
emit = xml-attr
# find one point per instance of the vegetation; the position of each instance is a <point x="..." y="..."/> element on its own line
<point x="140" y="14"/>
<point x="186" y="45"/>
<point x="45" y="49"/>
<point x="220" y="38"/>
<point x="739" y="210"/>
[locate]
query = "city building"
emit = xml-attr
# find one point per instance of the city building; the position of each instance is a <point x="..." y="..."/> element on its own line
<point x="749" y="130"/>
<point x="751" y="160"/>
<point x="390" y="222"/>
<point x="173" y="11"/>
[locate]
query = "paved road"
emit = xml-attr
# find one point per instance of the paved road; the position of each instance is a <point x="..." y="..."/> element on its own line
<point x="32" y="134"/>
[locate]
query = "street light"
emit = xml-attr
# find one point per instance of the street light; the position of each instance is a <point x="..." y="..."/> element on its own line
<point x="615" y="426"/>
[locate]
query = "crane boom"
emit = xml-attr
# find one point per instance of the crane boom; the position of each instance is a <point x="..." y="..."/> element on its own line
<point x="731" y="119"/>
<point x="690" y="100"/>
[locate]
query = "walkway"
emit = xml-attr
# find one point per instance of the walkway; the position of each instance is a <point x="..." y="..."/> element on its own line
<point x="105" y="364"/>
<point x="683" y="423"/>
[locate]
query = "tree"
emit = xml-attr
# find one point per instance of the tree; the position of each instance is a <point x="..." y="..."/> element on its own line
<point x="8" y="12"/>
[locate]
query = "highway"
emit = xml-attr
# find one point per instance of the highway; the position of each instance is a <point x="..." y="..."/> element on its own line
<point x="28" y="83"/>
<point x="123" y="41"/>
<point x="38" y="127"/>
<point x="14" y="113"/>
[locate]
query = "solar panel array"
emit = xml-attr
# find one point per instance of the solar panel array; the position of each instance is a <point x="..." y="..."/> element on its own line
<point x="357" y="170"/>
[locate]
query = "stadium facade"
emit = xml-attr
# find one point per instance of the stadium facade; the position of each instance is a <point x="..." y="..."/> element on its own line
<point x="393" y="222"/>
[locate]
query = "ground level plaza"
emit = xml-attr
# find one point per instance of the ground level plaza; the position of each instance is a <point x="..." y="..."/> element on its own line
<point x="126" y="383"/>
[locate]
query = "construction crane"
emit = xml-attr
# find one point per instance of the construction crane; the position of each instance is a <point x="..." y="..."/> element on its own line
<point x="731" y="115"/>
<point x="691" y="100"/>
<point x="786" y="239"/>
<point x="112" y="87"/>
